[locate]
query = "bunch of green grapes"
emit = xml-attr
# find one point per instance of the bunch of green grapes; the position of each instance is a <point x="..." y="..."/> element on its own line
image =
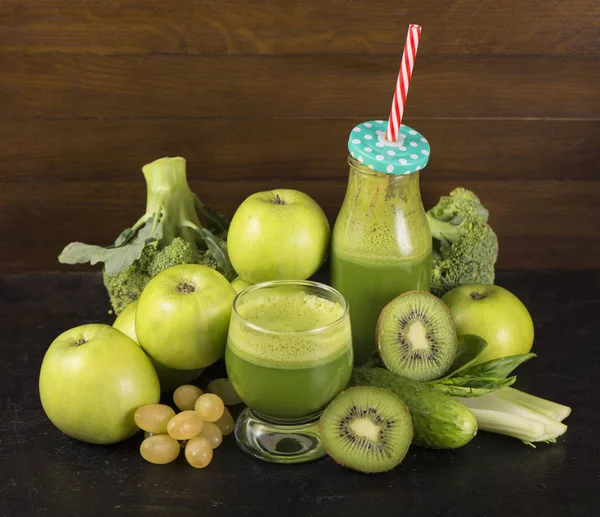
<point x="199" y="426"/>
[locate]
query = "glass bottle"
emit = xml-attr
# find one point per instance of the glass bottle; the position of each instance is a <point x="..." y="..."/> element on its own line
<point x="381" y="242"/>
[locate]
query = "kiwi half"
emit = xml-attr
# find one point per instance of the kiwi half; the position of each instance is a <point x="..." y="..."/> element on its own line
<point x="416" y="336"/>
<point x="366" y="429"/>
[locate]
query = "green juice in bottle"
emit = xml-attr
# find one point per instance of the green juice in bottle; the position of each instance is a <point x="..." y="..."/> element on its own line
<point x="381" y="243"/>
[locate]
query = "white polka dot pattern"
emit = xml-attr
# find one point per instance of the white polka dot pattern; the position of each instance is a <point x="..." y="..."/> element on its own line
<point x="368" y="145"/>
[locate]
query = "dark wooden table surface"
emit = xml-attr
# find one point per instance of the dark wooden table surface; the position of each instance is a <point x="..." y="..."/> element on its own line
<point x="46" y="473"/>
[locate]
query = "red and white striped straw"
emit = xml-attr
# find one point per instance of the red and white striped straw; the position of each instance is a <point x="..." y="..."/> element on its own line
<point x="408" y="61"/>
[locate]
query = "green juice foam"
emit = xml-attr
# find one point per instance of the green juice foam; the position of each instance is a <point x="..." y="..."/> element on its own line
<point x="281" y="331"/>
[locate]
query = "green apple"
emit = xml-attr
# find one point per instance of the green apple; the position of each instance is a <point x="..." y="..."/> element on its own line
<point x="495" y="314"/>
<point x="92" y="380"/>
<point x="169" y="378"/>
<point x="239" y="284"/>
<point x="182" y="317"/>
<point x="278" y="235"/>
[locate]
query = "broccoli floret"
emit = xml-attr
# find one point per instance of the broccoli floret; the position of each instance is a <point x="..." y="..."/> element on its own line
<point x="125" y="286"/>
<point x="178" y="252"/>
<point x="465" y="248"/>
<point x="168" y="234"/>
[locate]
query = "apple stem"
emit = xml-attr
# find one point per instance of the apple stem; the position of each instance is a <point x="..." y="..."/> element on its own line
<point x="81" y="341"/>
<point x="278" y="200"/>
<point x="186" y="288"/>
<point x="477" y="296"/>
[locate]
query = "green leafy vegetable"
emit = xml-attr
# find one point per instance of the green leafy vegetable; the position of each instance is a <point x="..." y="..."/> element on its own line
<point x="218" y="251"/>
<point x="127" y="249"/>
<point x="218" y="221"/>
<point x="498" y="368"/>
<point x="469" y="386"/>
<point x="470" y="347"/>
<point x="482" y="378"/>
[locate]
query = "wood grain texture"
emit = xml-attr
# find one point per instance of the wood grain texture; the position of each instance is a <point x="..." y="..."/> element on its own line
<point x="257" y="95"/>
<point x="79" y="86"/>
<point x="536" y="217"/>
<point x="51" y="151"/>
<point x="534" y="27"/>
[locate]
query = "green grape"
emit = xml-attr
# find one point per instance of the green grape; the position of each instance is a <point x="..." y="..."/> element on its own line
<point x="226" y="423"/>
<point x="160" y="449"/>
<point x="198" y="452"/>
<point x="154" y="418"/>
<point x="185" y="425"/>
<point x="186" y="396"/>
<point x="212" y="433"/>
<point x="209" y="407"/>
<point x="225" y="391"/>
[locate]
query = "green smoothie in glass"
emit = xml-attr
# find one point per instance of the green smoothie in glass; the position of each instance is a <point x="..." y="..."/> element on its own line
<point x="286" y="371"/>
<point x="381" y="243"/>
<point x="289" y="353"/>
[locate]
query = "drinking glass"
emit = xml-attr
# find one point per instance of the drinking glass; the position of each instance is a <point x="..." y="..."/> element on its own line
<point x="289" y="353"/>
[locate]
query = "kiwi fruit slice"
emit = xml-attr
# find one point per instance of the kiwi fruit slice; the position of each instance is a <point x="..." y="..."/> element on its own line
<point x="366" y="429"/>
<point x="416" y="336"/>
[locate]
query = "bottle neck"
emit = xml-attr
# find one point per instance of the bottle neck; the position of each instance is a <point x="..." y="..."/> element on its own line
<point x="382" y="186"/>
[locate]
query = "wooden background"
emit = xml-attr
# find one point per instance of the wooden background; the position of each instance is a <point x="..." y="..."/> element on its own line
<point x="257" y="95"/>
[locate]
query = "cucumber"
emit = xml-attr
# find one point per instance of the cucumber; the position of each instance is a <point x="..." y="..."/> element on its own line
<point x="439" y="421"/>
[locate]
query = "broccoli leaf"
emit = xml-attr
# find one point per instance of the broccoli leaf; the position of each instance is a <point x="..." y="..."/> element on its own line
<point x="124" y="237"/>
<point x="215" y="249"/>
<point x="218" y="221"/>
<point x="115" y="258"/>
<point x="129" y="233"/>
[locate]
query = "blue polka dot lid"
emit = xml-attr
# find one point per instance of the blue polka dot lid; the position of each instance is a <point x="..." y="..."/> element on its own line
<point x="368" y="145"/>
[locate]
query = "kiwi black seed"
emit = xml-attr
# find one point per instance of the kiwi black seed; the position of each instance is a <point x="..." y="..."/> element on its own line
<point x="416" y="336"/>
<point x="366" y="429"/>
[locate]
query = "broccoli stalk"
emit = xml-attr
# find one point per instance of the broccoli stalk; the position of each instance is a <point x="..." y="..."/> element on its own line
<point x="169" y="195"/>
<point x="465" y="248"/>
<point x="169" y="233"/>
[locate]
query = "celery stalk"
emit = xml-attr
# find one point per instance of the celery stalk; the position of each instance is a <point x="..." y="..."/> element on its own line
<point x="551" y="409"/>
<point x="504" y="414"/>
<point x="510" y="425"/>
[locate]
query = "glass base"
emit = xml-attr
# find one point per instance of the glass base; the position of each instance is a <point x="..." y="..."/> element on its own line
<point x="278" y="443"/>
